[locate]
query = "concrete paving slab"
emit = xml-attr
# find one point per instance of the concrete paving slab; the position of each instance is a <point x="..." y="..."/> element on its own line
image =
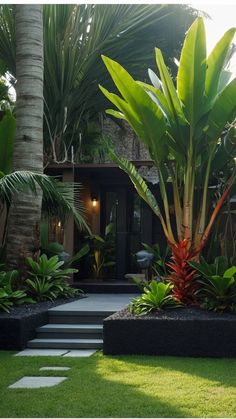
<point x="97" y="302"/>
<point x="54" y="369"/>
<point x="79" y="353"/>
<point x="42" y="352"/>
<point x="37" y="382"/>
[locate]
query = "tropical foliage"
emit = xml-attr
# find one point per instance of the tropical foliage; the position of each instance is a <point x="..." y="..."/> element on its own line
<point x="216" y="284"/>
<point x="74" y="38"/>
<point x="48" y="280"/>
<point x="9" y="295"/>
<point x="156" y="296"/>
<point x="100" y="253"/>
<point x="182" y="127"/>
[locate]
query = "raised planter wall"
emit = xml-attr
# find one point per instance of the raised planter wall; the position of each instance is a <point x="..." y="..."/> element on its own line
<point x="15" y="331"/>
<point x="194" y="333"/>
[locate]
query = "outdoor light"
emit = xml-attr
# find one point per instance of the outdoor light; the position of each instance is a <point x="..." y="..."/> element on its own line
<point x="94" y="202"/>
<point x="59" y="224"/>
<point x="94" y="194"/>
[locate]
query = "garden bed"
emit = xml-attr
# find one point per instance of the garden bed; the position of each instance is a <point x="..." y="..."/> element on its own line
<point x="18" y="326"/>
<point x="181" y="332"/>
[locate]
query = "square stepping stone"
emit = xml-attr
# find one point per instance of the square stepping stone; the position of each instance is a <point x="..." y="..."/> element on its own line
<point x="54" y="369"/>
<point x="80" y="353"/>
<point x="37" y="382"/>
<point x="42" y="352"/>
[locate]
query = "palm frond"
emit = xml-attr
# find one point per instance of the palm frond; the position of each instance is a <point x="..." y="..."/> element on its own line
<point x="58" y="197"/>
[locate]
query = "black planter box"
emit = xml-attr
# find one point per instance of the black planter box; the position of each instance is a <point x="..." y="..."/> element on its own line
<point x="181" y="332"/>
<point x="15" y="331"/>
<point x="19" y="326"/>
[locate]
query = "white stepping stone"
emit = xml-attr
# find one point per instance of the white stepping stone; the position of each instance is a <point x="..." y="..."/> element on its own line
<point x="42" y="352"/>
<point x="80" y="353"/>
<point x="37" y="382"/>
<point x="54" y="369"/>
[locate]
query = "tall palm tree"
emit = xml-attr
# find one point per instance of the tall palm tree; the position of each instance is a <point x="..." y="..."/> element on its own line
<point x="25" y="210"/>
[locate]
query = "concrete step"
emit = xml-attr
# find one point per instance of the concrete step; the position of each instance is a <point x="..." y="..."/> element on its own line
<point x="77" y="316"/>
<point x="70" y="331"/>
<point x="66" y="343"/>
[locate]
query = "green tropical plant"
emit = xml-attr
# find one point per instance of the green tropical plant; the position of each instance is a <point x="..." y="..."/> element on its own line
<point x="160" y="257"/>
<point x="57" y="249"/>
<point x="181" y="127"/>
<point x="156" y="296"/>
<point x="217" y="284"/>
<point x="74" y="38"/>
<point x="9" y="295"/>
<point x="100" y="251"/>
<point x="218" y="267"/>
<point x="46" y="268"/>
<point x="47" y="280"/>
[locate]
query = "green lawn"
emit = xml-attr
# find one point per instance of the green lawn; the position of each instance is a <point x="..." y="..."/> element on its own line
<point x="124" y="386"/>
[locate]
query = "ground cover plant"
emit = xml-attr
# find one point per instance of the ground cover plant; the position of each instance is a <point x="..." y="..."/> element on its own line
<point x="182" y="127"/>
<point x="124" y="386"/>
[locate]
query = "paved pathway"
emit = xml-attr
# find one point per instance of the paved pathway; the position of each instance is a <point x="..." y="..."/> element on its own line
<point x="97" y="302"/>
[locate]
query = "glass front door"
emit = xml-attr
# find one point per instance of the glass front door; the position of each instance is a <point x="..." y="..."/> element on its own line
<point x="122" y="213"/>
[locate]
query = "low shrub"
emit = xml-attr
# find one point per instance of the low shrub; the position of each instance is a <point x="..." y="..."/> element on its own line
<point x="156" y="296"/>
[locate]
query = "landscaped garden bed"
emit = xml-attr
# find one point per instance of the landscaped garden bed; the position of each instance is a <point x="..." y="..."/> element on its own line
<point x="19" y="326"/>
<point x="182" y="332"/>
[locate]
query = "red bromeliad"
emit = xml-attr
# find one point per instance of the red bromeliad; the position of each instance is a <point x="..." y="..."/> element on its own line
<point x="182" y="273"/>
<point x="181" y="127"/>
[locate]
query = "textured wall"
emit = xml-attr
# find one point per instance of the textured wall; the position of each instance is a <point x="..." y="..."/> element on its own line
<point x="125" y="141"/>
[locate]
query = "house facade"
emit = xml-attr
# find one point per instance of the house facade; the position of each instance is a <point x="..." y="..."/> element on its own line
<point x="114" y="210"/>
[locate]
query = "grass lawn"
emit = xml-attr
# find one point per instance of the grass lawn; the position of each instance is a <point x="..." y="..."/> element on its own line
<point x="124" y="386"/>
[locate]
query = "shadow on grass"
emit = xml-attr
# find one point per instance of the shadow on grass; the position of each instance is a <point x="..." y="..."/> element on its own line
<point x="86" y="393"/>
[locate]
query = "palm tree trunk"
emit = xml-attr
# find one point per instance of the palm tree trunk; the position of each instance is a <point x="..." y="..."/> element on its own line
<point x="25" y="211"/>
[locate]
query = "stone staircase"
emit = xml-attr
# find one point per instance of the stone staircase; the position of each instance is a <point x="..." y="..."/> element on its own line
<point x="79" y="324"/>
<point x="71" y="330"/>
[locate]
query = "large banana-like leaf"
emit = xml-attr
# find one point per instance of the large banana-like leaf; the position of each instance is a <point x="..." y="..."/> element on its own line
<point x="127" y="112"/>
<point x="137" y="101"/>
<point x="223" y="111"/>
<point x="7" y="136"/>
<point x="158" y="97"/>
<point x="192" y="72"/>
<point x="169" y="90"/>
<point x="215" y="64"/>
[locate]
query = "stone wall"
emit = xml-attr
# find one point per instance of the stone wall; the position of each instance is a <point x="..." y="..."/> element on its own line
<point x="124" y="140"/>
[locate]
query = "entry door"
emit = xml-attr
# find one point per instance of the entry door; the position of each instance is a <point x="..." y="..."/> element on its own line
<point x="131" y="218"/>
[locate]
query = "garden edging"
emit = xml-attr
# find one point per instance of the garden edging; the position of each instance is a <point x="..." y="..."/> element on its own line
<point x="182" y="332"/>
